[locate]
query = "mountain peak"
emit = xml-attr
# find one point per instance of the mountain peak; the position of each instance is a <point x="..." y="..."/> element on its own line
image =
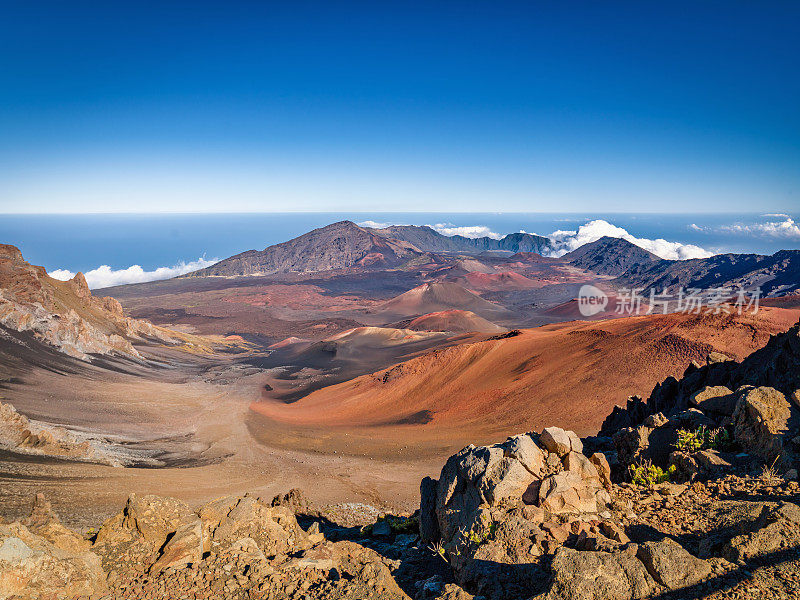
<point x="339" y="245"/>
<point x="610" y="256"/>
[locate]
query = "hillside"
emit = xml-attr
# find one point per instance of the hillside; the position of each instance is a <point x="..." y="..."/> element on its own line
<point x="64" y="314"/>
<point x="436" y="297"/>
<point x="569" y="374"/>
<point x="776" y="275"/>
<point x="611" y="256"/>
<point x="336" y="246"/>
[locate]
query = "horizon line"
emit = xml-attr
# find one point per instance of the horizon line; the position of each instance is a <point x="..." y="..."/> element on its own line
<point x="386" y="212"/>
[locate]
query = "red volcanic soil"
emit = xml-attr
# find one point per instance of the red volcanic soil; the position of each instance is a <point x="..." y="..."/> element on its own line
<point x="298" y="297"/>
<point x="570" y="310"/>
<point x="567" y="374"/>
<point x="507" y="280"/>
<point x="461" y="321"/>
<point x="436" y="297"/>
<point x="290" y="341"/>
<point x="790" y="301"/>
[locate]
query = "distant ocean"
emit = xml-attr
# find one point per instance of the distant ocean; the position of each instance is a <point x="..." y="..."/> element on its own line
<point x="70" y="243"/>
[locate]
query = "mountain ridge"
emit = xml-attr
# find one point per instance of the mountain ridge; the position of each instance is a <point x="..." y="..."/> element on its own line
<point x="428" y="239"/>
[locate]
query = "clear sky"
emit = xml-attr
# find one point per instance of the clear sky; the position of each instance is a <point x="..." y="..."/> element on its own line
<point x="399" y="106"/>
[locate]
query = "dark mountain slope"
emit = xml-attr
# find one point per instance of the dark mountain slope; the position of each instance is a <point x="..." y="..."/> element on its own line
<point x="776" y="274"/>
<point x="612" y="256"/>
<point x="336" y="246"/>
<point x="429" y="240"/>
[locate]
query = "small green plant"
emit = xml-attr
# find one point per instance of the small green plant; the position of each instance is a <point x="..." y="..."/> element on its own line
<point x="719" y="439"/>
<point x="439" y="550"/>
<point x="396" y="524"/>
<point x="703" y="439"/>
<point x="690" y="441"/>
<point x="647" y="474"/>
<point x="482" y="534"/>
<point x="769" y="473"/>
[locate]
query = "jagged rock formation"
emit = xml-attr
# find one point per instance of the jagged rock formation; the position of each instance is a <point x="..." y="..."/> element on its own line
<point x="233" y="547"/>
<point x="775" y="275"/>
<point x="756" y="403"/>
<point x="65" y="314"/>
<point x="40" y="558"/>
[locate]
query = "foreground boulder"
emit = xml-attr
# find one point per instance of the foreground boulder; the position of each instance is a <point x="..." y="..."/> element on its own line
<point x="44" y="559"/>
<point x="520" y="471"/>
<point x="498" y="505"/>
<point x="671" y="565"/>
<point x="598" y="576"/>
<point x="764" y="422"/>
<point x="165" y="533"/>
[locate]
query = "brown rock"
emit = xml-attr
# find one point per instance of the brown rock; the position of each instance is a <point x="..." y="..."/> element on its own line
<point x="600" y="462"/>
<point x="32" y="567"/>
<point x="761" y="422"/>
<point x="556" y="440"/>
<point x="714" y="399"/>
<point x="183" y="548"/>
<point x="590" y="575"/>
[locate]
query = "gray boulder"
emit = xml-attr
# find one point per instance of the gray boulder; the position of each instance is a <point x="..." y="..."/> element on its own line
<point x="671" y="565"/>
<point x="594" y="575"/>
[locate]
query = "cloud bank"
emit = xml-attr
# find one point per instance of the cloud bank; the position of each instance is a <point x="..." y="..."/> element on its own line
<point x="375" y="224"/>
<point x="787" y="228"/>
<point x="105" y="276"/>
<point x="448" y="229"/>
<point x="566" y="241"/>
<point x="468" y="231"/>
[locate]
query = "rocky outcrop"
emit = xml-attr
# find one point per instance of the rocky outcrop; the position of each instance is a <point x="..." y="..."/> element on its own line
<point x="714" y="387"/>
<point x="65" y="314"/>
<point x="67" y="332"/>
<point x="40" y="558"/>
<point x="501" y="504"/>
<point x="19" y="434"/>
<point x="235" y="546"/>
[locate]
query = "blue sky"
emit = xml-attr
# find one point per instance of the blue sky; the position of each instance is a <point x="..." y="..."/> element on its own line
<point x="384" y="106"/>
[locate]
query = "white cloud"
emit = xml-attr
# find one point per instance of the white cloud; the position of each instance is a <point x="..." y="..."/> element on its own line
<point x="787" y="228"/>
<point x="696" y="227"/>
<point x="105" y="276"/>
<point x="469" y="231"/>
<point x="780" y="215"/>
<point x="566" y="241"/>
<point x="374" y="224"/>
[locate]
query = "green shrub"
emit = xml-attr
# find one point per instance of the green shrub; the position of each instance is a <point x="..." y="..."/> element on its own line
<point x="397" y="524"/>
<point x="690" y="441"/>
<point x="703" y="439"/>
<point x="647" y="474"/>
<point x="480" y="535"/>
